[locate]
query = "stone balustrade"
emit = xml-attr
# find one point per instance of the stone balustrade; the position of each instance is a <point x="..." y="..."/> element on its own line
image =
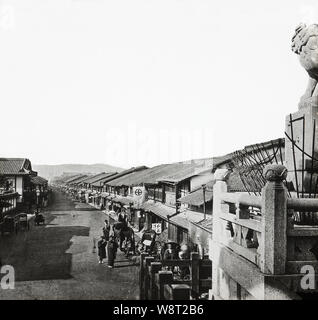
<point x="256" y="249"/>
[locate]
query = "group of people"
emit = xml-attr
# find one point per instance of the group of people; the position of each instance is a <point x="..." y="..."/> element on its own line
<point x="107" y="244"/>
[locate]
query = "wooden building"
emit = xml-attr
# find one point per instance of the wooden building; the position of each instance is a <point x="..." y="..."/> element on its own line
<point x="17" y="173"/>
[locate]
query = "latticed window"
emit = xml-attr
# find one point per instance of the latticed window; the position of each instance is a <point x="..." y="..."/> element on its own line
<point x="151" y="193"/>
<point x="158" y="194"/>
<point x="183" y="189"/>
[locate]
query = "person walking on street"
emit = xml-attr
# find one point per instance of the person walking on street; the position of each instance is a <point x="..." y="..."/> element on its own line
<point x="102" y="249"/>
<point x="121" y="217"/>
<point x="106" y="230"/>
<point x="111" y="251"/>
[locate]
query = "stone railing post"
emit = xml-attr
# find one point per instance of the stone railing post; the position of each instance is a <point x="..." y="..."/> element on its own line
<point x="155" y="267"/>
<point x="274" y="221"/>
<point x="164" y="277"/>
<point x="147" y="262"/>
<point x="142" y="276"/>
<point x="195" y="272"/>
<point x="219" y="187"/>
<point x="177" y="292"/>
<point x="218" y="207"/>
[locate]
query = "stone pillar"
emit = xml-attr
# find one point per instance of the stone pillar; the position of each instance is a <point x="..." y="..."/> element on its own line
<point x="164" y="277"/>
<point x="155" y="267"/>
<point x="305" y="125"/>
<point x="195" y="272"/>
<point x="305" y="45"/>
<point x="177" y="292"/>
<point x="273" y="244"/>
<point x="142" y="276"/>
<point x="219" y="187"/>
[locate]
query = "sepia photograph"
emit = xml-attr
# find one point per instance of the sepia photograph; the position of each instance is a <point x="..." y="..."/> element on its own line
<point x="156" y="151"/>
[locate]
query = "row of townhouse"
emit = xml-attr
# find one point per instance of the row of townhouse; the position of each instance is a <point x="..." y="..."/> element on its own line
<point x="20" y="186"/>
<point x="175" y="199"/>
<point x="90" y="186"/>
<point x="153" y="196"/>
<point x="168" y="197"/>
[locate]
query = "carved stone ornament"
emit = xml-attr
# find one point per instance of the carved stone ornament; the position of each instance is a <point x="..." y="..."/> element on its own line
<point x="305" y="44"/>
<point x="275" y="172"/>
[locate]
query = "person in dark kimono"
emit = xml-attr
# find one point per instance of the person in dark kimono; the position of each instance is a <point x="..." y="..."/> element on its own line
<point x="122" y="217"/>
<point x="106" y="230"/>
<point x="101" y="249"/>
<point x="170" y="254"/>
<point x="111" y="251"/>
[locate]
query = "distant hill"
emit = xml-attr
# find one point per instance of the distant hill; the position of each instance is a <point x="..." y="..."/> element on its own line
<point x="51" y="171"/>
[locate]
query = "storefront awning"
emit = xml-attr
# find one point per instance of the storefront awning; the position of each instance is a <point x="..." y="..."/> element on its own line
<point x="196" y="198"/>
<point x="123" y="200"/>
<point x="199" y="219"/>
<point x="158" y="209"/>
<point x="164" y="212"/>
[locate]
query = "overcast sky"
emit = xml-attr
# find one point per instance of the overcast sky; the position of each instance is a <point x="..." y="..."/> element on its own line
<point x="131" y="82"/>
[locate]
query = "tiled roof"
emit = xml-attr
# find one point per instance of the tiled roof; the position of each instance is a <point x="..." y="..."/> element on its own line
<point x="73" y="177"/>
<point x="100" y="182"/>
<point x="172" y="172"/>
<point x="120" y="174"/>
<point x="98" y="177"/>
<point x="145" y="176"/>
<point x="103" y="176"/>
<point x="15" y="166"/>
<point x="65" y="177"/>
<point x="88" y="178"/>
<point x="165" y="172"/>
<point x="78" y="179"/>
<point x="187" y="170"/>
<point x="37" y="180"/>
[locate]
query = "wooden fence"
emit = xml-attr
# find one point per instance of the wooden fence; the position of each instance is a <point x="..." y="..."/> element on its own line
<point x="158" y="283"/>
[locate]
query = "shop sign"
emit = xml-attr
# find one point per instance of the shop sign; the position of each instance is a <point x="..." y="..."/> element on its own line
<point x="156" y="227"/>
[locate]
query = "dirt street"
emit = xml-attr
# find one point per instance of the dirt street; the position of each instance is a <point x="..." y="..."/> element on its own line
<point x="56" y="261"/>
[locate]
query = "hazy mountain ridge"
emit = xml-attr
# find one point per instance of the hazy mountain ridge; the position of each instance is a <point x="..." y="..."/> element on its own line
<point x="48" y="171"/>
